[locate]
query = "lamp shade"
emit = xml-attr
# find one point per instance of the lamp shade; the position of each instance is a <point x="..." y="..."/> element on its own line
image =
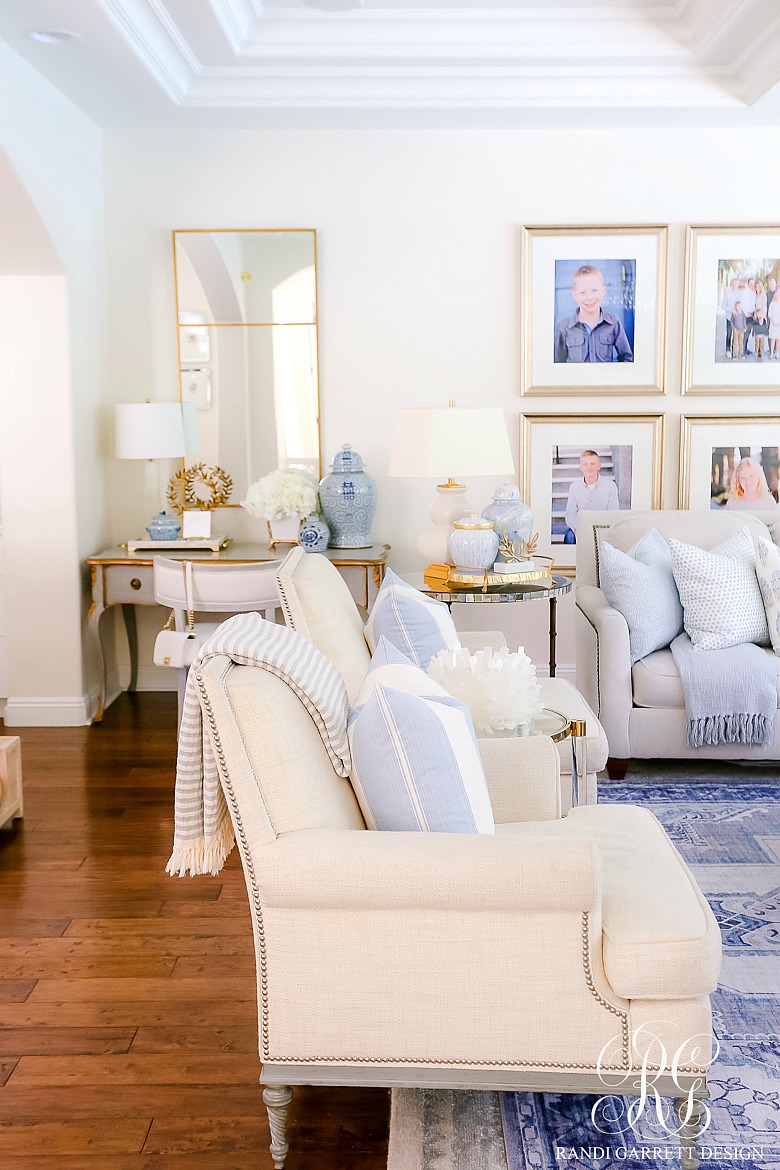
<point x="152" y="430"/>
<point x="451" y="442"/>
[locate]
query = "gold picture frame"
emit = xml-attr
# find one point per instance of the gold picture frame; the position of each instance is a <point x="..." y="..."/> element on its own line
<point x="629" y="446"/>
<point x="711" y="448"/>
<point x="633" y="263"/>
<point x="710" y="275"/>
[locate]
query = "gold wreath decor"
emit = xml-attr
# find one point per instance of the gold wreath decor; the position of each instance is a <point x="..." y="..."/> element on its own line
<point x="199" y="486"/>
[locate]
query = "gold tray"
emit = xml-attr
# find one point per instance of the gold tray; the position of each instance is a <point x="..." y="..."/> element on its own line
<point x="483" y="578"/>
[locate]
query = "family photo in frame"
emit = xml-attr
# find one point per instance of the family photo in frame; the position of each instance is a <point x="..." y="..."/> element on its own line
<point x="594" y="310"/>
<point x="732" y="310"/>
<point x="730" y="462"/>
<point x="598" y="462"/>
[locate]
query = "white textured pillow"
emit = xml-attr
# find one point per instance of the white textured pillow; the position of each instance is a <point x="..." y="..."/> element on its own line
<point x="768" y="573"/>
<point x="719" y="591"/>
<point x="640" y="585"/>
<point x="415" y="761"/>
<point x="415" y="624"/>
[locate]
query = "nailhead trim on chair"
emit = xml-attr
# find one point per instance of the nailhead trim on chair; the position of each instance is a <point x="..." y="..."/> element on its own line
<point x="265" y="1053"/>
<point x="246" y="855"/>
<point x="288" y="617"/>
<point x="597" y="550"/>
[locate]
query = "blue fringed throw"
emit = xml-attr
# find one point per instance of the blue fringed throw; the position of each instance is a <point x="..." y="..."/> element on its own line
<point x="730" y="695"/>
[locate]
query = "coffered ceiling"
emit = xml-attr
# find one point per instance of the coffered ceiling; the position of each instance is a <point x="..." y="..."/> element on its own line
<point x="400" y="62"/>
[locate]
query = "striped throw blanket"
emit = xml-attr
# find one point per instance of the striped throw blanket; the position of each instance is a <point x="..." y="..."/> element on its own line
<point x="203" y="835"/>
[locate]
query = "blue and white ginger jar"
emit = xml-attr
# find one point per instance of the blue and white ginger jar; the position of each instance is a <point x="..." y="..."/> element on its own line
<point x="509" y="514"/>
<point x="163" y="527"/>
<point x="313" y="534"/>
<point x="473" y="543"/>
<point x="348" y="501"/>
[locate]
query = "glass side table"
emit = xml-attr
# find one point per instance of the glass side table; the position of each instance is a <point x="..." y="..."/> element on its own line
<point x="558" y="727"/>
<point x="502" y="594"/>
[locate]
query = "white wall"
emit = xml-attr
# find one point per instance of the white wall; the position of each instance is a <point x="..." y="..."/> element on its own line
<point x="53" y="442"/>
<point x="419" y="268"/>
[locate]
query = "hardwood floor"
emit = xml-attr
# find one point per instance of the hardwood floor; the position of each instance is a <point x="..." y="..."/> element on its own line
<point x="128" y="1025"/>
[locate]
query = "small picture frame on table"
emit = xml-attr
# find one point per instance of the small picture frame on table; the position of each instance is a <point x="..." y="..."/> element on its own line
<point x="731" y="462"/>
<point x="732" y="278"/>
<point x="594" y="310"/>
<point x="601" y="462"/>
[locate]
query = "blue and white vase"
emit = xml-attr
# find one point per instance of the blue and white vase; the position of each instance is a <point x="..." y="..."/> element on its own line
<point x="509" y="514"/>
<point x="473" y="544"/>
<point x="348" y="501"/>
<point x="313" y="534"/>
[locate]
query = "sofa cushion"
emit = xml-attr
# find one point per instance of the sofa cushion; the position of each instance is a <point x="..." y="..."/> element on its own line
<point x="656" y="681"/>
<point x="660" y="939"/>
<point x="719" y="591"/>
<point x="316" y="602"/>
<point x="417" y="625"/>
<point x="640" y="585"/>
<point x="768" y="574"/>
<point x="415" y="760"/>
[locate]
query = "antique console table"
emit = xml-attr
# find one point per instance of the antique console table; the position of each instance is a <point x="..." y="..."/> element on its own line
<point x="123" y="578"/>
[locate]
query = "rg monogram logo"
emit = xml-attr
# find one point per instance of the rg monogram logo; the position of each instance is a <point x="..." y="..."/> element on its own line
<point x="611" y="1114"/>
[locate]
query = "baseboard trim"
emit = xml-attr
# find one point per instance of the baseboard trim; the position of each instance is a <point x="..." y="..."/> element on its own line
<point x="49" y="711"/>
<point x="567" y="671"/>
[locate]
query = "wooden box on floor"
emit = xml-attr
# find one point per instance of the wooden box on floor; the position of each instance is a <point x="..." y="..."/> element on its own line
<point x="11" y="803"/>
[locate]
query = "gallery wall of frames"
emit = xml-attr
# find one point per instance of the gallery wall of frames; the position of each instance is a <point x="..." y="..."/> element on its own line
<point x="599" y="323"/>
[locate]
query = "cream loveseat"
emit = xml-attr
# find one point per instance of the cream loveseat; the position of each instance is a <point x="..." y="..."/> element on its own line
<point x="317" y="603"/>
<point x="642" y="708"/>
<point x="522" y="960"/>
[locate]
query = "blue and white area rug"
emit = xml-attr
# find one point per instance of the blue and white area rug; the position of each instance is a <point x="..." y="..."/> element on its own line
<point x="729" y="833"/>
<point x="728" y="829"/>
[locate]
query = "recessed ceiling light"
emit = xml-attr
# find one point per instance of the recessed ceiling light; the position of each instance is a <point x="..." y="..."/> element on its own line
<point x="334" y="5"/>
<point x="53" y="36"/>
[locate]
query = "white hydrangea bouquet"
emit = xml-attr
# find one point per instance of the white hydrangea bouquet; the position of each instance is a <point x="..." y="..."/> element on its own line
<point x="500" y="689"/>
<point x="283" y="494"/>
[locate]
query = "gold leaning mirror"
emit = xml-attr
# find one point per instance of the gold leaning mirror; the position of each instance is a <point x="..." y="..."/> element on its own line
<point x="246" y="318"/>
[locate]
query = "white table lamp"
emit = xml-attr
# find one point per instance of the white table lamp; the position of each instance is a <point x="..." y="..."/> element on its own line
<point x="153" y="431"/>
<point x="449" y="444"/>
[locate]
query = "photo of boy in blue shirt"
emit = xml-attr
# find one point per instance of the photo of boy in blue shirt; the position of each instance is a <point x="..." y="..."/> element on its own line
<point x="591" y="334"/>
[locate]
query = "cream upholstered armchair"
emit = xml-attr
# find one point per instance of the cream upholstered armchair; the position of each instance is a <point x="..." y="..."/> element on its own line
<point x="317" y="603"/>
<point x="641" y="707"/>
<point x="521" y="960"/>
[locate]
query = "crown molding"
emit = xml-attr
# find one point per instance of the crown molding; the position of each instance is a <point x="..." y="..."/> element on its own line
<point x="236" y="19"/>
<point x="154" y="37"/>
<point x="694" y="54"/>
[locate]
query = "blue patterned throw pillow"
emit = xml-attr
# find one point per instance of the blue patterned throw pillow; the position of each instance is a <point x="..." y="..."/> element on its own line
<point x="640" y="585"/>
<point x="719" y="591"/>
<point x="768" y="573"/>
<point x="416" y="625"/>
<point x="415" y="761"/>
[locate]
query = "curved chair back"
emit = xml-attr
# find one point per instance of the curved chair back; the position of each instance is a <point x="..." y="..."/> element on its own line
<point x="221" y="587"/>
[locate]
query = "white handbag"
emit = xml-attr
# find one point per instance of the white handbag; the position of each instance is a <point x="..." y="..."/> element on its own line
<point x="178" y="648"/>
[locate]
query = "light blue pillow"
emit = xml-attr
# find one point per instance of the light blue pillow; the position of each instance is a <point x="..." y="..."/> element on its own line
<point x="415" y="761"/>
<point x="416" y="625"/>
<point x="720" y="593"/>
<point x="640" y="584"/>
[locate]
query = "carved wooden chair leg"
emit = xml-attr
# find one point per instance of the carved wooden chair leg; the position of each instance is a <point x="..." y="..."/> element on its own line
<point x="688" y="1112"/>
<point x="277" y="1100"/>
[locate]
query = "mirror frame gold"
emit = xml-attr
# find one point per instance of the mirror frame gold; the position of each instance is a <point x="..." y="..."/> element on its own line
<point x="249" y="324"/>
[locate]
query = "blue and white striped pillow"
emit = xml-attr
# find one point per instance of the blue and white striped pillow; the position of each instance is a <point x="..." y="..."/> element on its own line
<point x="415" y="761"/>
<point x="416" y="625"/>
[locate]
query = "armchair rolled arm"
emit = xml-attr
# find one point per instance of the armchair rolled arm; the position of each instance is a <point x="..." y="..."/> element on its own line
<point x="343" y="869"/>
<point x="604" y="665"/>
<point x="523" y="777"/>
